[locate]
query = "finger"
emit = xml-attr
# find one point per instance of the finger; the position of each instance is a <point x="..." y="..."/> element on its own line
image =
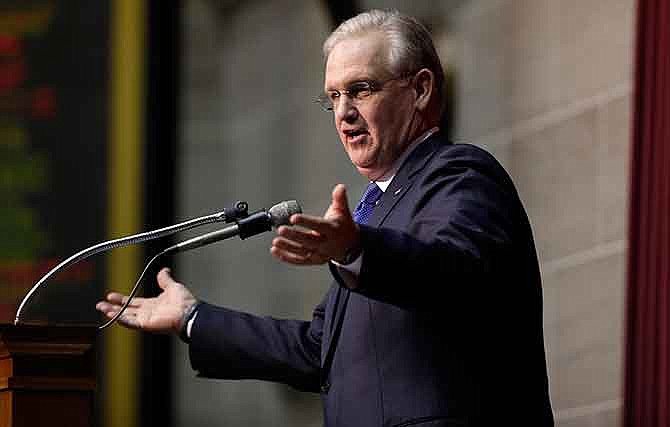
<point x="287" y="256"/>
<point x="308" y="238"/>
<point x="290" y="246"/>
<point x="106" y="307"/>
<point x="292" y="258"/>
<point x="164" y="279"/>
<point x="114" y="297"/>
<point x="298" y="254"/>
<point x="310" y="258"/>
<point x="339" y="199"/>
<point x="315" y="223"/>
<point x="117" y="298"/>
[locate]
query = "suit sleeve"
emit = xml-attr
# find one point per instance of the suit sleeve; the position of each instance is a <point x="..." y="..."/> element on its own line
<point x="460" y="229"/>
<point x="229" y="344"/>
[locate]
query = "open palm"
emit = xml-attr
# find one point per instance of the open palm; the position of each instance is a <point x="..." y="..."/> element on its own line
<point x="158" y="314"/>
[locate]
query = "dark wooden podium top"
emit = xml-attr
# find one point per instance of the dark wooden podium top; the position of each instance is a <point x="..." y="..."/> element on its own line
<point x="42" y="357"/>
<point x="47" y="375"/>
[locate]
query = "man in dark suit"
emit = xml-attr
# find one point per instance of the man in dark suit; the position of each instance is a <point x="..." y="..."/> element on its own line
<point x="435" y="314"/>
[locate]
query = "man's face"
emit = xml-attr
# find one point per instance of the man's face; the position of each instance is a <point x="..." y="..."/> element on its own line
<point x="376" y="130"/>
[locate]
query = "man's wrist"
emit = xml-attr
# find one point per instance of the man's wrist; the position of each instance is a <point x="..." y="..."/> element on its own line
<point x="354" y="251"/>
<point x="351" y="255"/>
<point x="189" y="313"/>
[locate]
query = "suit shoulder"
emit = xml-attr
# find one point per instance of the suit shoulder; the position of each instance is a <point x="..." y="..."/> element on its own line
<point x="467" y="152"/>
<point x="468" y="156"/>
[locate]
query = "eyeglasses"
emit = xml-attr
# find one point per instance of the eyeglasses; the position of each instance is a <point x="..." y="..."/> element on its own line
<point x="357" y="92"/>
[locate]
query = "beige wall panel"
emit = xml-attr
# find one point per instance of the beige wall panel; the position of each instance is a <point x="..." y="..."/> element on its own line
<point x="478" y="61"/>
<point x="585" y="420"/>
<point x="507" y="53"/>
<point x="532" y="57"/>
<point x="520" y="58"/>
<point x="555" y="174"/>
<point x="614" y="130"/>
<point x="609" y="418"/>
<point x="584" y="350"/>
<point x="596" y="46"/>
<point x="599" y="418"/>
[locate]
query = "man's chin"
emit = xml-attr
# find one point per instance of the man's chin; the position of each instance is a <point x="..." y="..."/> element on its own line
<point x="362" y="161"/>
<point x="371" y="173"/>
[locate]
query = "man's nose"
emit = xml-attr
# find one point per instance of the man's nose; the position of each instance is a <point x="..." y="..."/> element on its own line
<point x="345" y="109"/>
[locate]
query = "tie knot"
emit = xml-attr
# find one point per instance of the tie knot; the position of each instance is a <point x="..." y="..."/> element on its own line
<point x="371" y="194"/>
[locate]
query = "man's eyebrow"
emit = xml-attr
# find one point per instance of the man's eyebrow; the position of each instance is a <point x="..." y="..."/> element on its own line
<point x="351" y="82"/>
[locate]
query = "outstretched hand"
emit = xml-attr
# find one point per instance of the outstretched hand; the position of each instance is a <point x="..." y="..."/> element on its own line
<point x="318" y="240"/>
<point x="163" y="313"/>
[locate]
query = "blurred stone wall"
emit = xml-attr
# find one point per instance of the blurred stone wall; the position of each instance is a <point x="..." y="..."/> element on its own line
<point x="545" y="85"/>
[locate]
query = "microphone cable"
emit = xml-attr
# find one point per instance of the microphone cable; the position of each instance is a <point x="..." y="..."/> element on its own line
<point x="134" y="290"/>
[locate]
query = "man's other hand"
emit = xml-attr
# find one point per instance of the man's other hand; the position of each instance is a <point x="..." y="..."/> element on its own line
<point x="162" y="314"/>
<point x="318" y="240"/>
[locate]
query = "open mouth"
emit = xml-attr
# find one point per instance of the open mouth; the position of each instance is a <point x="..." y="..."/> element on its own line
<point x="355" y="136"/>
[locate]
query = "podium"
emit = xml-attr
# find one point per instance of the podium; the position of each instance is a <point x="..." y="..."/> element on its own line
<point x="47" y="375"/>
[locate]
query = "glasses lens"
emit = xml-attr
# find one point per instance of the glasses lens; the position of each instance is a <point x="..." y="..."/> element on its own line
<point x="325" y="102"/>
<point x="360" y="90"/>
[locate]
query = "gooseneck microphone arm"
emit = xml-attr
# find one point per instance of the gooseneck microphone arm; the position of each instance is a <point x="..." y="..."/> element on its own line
<point x="237" y="211"/>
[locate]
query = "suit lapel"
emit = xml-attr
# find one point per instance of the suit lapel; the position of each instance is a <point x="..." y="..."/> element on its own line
<point x="403" y="180"/>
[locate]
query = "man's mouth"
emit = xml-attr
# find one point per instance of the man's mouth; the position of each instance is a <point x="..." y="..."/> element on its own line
<point x="355" y="136"/>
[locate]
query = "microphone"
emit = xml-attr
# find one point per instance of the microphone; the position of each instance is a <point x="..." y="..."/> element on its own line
<point x="256" y="223"/>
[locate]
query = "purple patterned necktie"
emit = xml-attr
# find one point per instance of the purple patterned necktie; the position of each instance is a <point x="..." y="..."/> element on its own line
<point x="367" y="204"/>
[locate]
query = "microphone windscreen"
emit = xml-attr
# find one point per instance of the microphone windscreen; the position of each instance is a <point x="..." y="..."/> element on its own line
<point x="281" y="212"/>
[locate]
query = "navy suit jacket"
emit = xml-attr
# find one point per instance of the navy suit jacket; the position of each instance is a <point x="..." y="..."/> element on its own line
<point x="445" y="326"/>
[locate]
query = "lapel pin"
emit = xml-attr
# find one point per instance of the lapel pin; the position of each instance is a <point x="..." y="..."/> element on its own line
<point x="397" y="191"/>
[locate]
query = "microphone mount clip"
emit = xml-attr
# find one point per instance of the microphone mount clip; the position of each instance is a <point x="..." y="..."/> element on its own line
<point x="239" y="210"/>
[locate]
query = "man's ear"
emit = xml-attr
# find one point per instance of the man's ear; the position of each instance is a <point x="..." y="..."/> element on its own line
<point x="424" y="82"/>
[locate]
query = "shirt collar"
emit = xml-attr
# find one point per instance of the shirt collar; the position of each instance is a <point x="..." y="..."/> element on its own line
<point x="385" y="180"/>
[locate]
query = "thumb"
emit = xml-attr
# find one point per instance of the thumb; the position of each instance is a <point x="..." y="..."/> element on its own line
<point x="339" y="202"/>
<point x="164" y="278"/>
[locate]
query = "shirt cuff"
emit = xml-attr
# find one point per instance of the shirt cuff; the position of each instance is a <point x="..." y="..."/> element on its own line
<point x="354" y="267"/>
<point x="189" y="325"/>
<point x="349" y="272"/>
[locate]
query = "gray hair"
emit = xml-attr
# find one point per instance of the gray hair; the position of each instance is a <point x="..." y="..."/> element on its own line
<point x="410" y="44"/>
